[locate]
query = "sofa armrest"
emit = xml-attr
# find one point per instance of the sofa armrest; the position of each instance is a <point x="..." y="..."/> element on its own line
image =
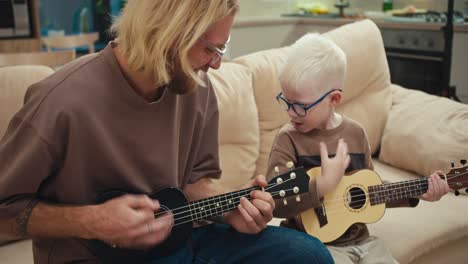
<point x="423" y="132"/>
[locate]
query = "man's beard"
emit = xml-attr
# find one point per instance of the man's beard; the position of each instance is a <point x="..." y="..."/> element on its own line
<point x="182" y="83"/>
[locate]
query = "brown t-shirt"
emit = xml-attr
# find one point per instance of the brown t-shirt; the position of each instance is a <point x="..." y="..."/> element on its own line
<point x="84" y="130"/>
<point x="303" y="150"/>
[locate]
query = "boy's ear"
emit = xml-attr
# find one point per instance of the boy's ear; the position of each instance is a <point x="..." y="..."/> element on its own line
<point x="335" y="98"/>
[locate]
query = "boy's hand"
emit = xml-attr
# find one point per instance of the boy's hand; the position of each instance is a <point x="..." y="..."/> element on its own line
<point x="333" y="169"/>
<point x="437" y="188"/>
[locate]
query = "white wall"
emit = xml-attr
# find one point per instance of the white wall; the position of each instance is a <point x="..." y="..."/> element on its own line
<point x="245" y="40"/>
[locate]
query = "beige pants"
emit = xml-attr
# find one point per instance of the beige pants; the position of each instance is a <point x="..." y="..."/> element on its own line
<point x="369" y="251"/>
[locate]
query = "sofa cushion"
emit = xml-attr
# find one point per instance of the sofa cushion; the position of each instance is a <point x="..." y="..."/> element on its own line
<point x="14" y="80"/>
<point x="418" y="126"/>
<point x="238" y="128"/>
<point x="411" y="233"/>
<point x="266" y="67"/>
<point x="367" y="92"/>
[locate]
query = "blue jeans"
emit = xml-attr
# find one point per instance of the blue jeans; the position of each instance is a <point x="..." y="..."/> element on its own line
<point x="219" y="243"/>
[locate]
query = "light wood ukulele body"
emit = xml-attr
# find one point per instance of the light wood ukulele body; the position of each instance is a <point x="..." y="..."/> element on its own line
<point x="361" y="198"/>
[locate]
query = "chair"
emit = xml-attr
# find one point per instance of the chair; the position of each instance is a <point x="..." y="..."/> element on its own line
<point x="51" y="59"/>
<point x="14" y="81"/>
<point x="71" y="41"/>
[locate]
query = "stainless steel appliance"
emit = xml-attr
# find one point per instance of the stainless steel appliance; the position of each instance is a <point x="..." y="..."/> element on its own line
<point x="15" y="19"/>
<point x="415" y="58"/>
<point x="421" y="59"/>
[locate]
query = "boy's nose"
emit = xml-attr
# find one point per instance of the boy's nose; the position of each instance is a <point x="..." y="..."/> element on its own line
<point x="291" y="112"/>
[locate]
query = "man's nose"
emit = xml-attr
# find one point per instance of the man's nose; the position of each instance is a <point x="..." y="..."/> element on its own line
<point x="215" y="63"/>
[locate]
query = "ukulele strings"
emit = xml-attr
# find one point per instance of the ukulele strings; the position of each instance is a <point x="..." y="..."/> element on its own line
<point x="176" y="211"/>
<point x="332" y="201"/>
<point x="190" y="220"/>
<point x="397" y="186"/>
<point x="337" y="203"/>
<point x="334" y="206"/>
<point x="210" y="211"/>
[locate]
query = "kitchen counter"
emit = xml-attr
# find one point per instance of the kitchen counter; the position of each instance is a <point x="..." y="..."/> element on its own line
<point x="270" y="21"/>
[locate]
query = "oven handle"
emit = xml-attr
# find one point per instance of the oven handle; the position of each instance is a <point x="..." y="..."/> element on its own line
<point x="409" y="56"/>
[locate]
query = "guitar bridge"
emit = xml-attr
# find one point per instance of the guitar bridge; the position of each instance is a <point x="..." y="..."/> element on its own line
<point x="321" y="215"/>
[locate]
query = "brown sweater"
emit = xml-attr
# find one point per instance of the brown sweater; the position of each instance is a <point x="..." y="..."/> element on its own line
<point x="84" y="130"/>
<point x="303" y="150"/>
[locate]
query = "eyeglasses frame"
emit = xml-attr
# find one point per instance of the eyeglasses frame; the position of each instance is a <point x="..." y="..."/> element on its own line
<point x="280" y="97"/>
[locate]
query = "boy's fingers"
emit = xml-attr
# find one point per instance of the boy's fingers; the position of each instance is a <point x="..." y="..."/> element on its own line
<point x="347" y="161"/>
<point x="323" y="151"/>
<point x="342" y="147"/>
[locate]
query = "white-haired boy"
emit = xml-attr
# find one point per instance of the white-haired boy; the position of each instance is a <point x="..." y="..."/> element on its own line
<point x="312" y="83"/>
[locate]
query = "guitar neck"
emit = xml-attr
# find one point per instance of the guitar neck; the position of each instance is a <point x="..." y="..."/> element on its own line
<point x="217" y="205"/>
<point x="390" y="192"/>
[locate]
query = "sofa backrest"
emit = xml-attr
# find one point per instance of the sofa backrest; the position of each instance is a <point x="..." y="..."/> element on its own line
<point x="238" y="125"/>
<point x="14" y="80"/>
<point x="367" y="93"/>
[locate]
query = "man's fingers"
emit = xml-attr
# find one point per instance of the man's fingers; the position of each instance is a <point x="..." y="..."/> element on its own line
<point x="251" y="223"/>
<point x="265" y="209"/>
<point x="264" y="196"/>
<point x="261" y="181"/>
<point x="259" y="221"/>
<point x="151" y="233"/>
<point x="140" y="202"/>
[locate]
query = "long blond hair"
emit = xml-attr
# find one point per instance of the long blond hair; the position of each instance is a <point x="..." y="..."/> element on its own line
<point x="155" y="35"/>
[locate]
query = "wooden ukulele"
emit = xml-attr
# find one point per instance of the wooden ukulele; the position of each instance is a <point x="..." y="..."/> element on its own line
<point x="294" y="182"/>
<point x="361" y="197"/>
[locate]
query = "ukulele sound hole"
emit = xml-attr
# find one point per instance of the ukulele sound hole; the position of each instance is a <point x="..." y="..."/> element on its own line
<point x="356" y="198"/>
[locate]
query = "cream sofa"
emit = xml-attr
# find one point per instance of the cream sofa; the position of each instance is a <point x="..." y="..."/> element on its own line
<point x="411" y="134"/>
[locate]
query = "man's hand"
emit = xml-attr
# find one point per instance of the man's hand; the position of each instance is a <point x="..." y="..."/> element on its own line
<point x="129" y="222"/>
<point x="437" y="188"/>
<point x="334" y="168"/>
<point x="252" y="216"/>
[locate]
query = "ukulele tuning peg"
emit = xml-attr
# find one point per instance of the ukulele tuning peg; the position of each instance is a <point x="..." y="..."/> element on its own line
<point x="285" y="202"/>
<point x="463" y="162"/>
<point x="290" y="165"/>
<point x="452" y="164"/>
<point x="276" y="170"/>
<point x="298" y="198"/>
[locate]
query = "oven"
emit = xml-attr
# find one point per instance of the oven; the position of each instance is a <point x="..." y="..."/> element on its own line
<point x="421" y="58"/>
<point x="416" y="58"/>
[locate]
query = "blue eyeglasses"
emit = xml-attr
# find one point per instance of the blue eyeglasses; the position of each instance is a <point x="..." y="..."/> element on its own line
<point x="300" y="109"/>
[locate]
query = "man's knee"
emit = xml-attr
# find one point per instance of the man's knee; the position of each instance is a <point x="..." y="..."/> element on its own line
<point x="303" y="248"/>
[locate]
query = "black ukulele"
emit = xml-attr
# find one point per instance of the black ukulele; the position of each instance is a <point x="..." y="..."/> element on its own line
<point x="294" y="182"/>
